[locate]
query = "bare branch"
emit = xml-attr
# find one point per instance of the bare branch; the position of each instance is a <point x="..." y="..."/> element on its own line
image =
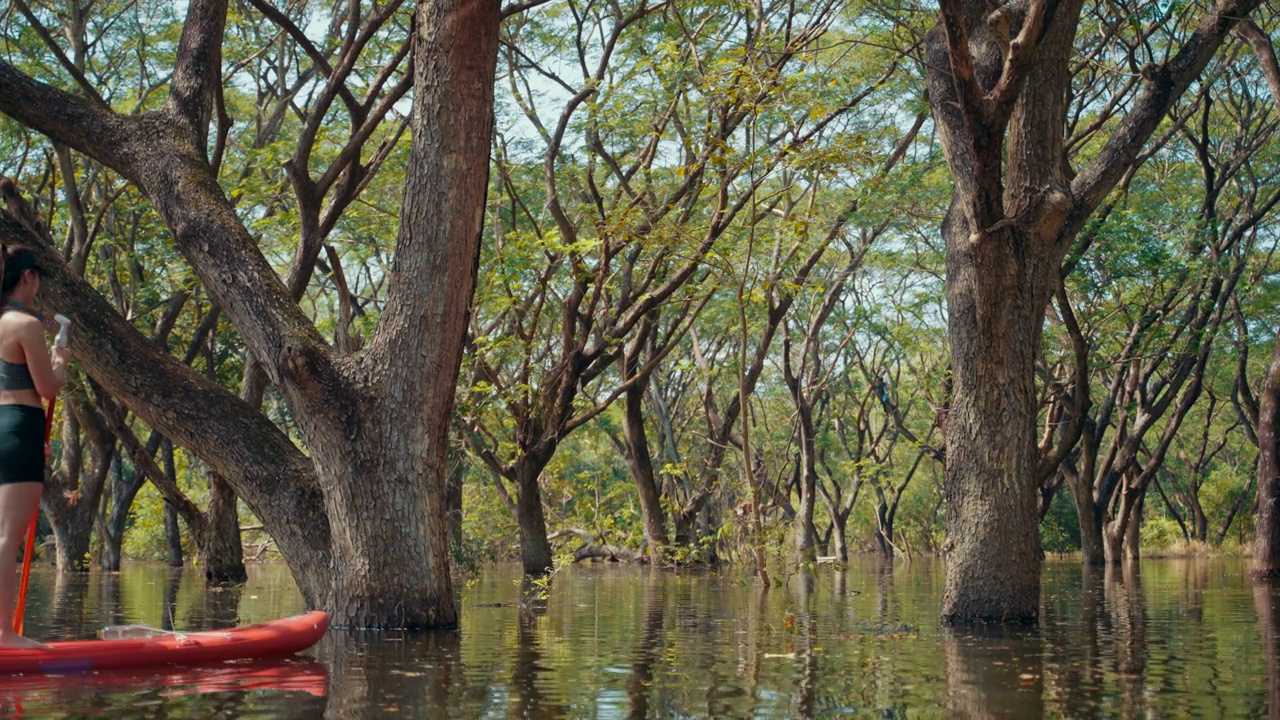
<point x="63" y="60"/>
<point x="1248" y="31"/>
<point x="1165" y="84"/>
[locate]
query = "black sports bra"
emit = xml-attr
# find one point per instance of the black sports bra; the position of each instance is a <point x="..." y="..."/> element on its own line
<point x="15" y="376"/>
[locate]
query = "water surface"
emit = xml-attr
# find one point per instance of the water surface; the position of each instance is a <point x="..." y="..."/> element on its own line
<point x="1171" y="638"/>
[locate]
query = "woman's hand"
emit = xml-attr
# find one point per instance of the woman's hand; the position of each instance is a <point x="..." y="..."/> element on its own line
<point x="60" y="354"/>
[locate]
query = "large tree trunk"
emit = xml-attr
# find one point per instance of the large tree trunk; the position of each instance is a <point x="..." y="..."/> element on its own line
<point x="1266" y="548"/>
<point x="1266" y="603"/>
<point x="998" y="84"/>
<point x="995" y="317"/>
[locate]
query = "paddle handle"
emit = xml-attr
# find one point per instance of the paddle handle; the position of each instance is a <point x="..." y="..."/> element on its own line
<point x="64" y="322"/>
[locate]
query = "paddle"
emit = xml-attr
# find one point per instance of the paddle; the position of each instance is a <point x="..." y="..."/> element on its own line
<point x="61" y="341"/>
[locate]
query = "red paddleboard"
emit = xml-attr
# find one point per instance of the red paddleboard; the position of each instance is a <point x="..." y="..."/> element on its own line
<point x="270" y="639"/>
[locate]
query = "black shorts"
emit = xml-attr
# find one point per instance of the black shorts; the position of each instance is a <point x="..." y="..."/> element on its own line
<point x="21" y="444"/>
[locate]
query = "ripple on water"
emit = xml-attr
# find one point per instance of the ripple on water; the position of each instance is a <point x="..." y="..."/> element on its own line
<point x="1174" y="638"/>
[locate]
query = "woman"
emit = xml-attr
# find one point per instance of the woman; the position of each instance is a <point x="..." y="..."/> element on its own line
<point x="28" y="372"/>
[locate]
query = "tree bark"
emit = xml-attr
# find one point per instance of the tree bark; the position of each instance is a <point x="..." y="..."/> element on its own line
<point x="884" y="528"/>
<point x="994" y="318"/>
<point x="73" y="493"/>
<point x="361" y="519"/>
<point x="996" y="99"/>
<point x="220" y="551"/>
<point x="1266" y="548"/>
<point x="535" y="549"/>
<point x="1090" y="516"/>
<point x="453" y="500"/>
<point x="1133" y="533"/>
<point x="640" y="462"/>
<point x="806" y="534"/>
<point x="172" y="538"/>
<point x="172" y="532"/>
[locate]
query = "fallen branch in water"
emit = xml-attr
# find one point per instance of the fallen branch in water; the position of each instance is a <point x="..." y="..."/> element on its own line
<point x="590" y="549"/>
<point x="608" y="552"/>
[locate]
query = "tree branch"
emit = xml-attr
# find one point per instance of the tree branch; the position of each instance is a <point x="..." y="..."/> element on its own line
<point x="261" y="463"/>
<point x="63" y="60"/>
<point x="1165" y="84"/>
<point x="64" y="118"/>
<point x="1018" y="61"/>
<point x="197" y="74"/>
<point x="1248" y="31"/>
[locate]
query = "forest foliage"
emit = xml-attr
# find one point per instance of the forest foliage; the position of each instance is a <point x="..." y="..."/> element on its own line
<point x="716" y="222"/>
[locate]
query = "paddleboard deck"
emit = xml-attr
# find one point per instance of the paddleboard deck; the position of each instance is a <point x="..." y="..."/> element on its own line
<point x="276" y="638"/>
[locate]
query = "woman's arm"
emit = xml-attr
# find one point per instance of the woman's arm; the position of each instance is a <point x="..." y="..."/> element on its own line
<point x="47" y="373"/>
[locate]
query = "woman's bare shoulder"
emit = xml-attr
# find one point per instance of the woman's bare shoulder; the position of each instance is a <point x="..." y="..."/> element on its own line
<point x="16" y="321"/>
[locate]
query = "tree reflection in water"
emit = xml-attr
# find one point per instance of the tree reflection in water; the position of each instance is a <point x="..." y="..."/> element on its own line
<point x="806" y="648"/>
<point x="648" y="652"/>
<point x="527" y="670"/>
<point x="994" y="672"/>
<point x="1127" y="608"/>
<point x="1266" y="602"/>
<point x="1166" y="638"/>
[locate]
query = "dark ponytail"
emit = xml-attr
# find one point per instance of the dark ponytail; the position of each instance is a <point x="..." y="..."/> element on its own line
<point x="16" y="262"/>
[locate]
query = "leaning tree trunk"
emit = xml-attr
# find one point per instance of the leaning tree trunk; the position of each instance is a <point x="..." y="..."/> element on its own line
<point x="1266" y="548"/>
<point x="640" y="462"/>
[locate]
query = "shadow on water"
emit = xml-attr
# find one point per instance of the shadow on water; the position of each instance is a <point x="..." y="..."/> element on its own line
<point x="1164" y="638"/>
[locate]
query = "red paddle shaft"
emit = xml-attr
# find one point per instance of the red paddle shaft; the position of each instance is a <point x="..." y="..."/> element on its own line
<point x="20" y="608"/>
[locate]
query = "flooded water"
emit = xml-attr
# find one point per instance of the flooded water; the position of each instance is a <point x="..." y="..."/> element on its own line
<point x="1172" y="638"/>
